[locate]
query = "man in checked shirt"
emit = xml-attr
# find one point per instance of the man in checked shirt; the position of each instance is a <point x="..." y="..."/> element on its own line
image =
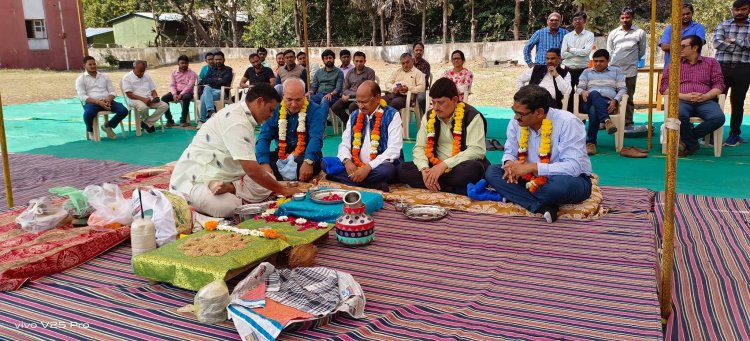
<point x="732" y="44"/>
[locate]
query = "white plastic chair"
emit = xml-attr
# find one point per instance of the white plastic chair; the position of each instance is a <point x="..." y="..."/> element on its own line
<point x="97" y="134"/>
<point x="133" y="112"/>
<point x="219" y="104"/>
<point x="618" y="119"/>
<point x="718" y="133"/>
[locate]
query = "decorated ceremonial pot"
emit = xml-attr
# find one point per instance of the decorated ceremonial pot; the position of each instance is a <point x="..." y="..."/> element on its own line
<point x="354" y="227"/>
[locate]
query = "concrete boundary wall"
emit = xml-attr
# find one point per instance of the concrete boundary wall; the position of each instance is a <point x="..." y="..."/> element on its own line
<point x="489" y="53"/>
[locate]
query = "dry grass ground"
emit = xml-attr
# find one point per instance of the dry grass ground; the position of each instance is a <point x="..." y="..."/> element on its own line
<point x="492" y="86"/>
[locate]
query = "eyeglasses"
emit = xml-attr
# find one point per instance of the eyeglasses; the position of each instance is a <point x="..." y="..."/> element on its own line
<point x="522" y="114"/>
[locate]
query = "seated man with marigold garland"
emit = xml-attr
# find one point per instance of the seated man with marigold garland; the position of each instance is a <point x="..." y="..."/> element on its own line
<point x="371" y="144"/>
<point x="450" y="150"/>
<point x="545" y="163"/>
<point x="297" y="126"/>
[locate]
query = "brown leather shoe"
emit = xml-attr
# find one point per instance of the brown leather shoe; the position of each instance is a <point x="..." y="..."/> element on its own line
<point x="632" y="152"/>
<point x="610" y="127"/>
<point x="590" y="149"/>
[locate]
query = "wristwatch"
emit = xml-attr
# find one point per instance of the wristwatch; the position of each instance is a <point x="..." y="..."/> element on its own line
<point x="309" y="162"/>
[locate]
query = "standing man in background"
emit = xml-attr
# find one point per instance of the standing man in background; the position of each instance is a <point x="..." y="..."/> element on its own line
<point x="576" y="47"/>
<point x="627" y="44"/>
<point x="545" y="39"/>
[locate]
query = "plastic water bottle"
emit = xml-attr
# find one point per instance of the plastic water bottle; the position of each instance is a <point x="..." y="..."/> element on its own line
<point x="142" y="236"/>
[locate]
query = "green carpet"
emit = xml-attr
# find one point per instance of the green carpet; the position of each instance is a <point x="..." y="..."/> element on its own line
<point x="56" y="128"/>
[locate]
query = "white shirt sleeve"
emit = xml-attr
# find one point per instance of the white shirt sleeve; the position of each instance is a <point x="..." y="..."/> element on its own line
<point x="127" y="85"/>
<point x="524" y="78"/>
<point x="345" y="147"/>
<point x="563" y="84"/>
<point x="81" y="89"/>
<point x="110" y="86"/>
<point x="395" y="143"/>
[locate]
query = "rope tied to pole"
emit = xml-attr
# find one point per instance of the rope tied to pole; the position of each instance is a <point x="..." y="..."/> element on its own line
<point x="671" y="124"/>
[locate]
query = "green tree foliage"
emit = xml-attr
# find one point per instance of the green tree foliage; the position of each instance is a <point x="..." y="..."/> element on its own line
<point x="272" y="24"/>
<point x="712" y="12"/>
<point x="96" y="13"/>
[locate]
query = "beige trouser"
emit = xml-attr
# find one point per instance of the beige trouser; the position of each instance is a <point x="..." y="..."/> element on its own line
<point x="223" y="205"/>
<point x="142" y="111"/>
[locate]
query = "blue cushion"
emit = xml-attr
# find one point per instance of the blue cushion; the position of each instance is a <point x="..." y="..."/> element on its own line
<point x="326" y="212"/>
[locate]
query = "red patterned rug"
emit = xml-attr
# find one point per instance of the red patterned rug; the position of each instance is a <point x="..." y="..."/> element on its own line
<point x="27" y="256"/>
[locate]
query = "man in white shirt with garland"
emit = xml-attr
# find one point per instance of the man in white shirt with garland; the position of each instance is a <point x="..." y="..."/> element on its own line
<point x="371" y="144"/>
<point x="218" y="170"/>
<point x="141" y="96"/>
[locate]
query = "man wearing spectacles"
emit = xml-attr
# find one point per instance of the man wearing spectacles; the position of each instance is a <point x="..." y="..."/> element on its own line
<point x="406" y="79"/>
<point x="701" y="81"/>
<point x="568" y="169"/>
<point x="380" y="151"/>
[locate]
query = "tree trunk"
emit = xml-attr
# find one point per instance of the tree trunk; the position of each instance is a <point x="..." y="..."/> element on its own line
<point x="473" y="24"/>
<point x="201" y="32"/>
<point x="531" y="18"/>
<point x="517" y="21"/>
<point x="424" y="21"/>
<point x="157" y="25"/>
<point x="297" y="20"/>
<point x="445" y="21"/>
<point x="328" y="23"/>
<point x="373" y="18"/>
<point x="233" y="23"/>
<point x="382" y="28"/>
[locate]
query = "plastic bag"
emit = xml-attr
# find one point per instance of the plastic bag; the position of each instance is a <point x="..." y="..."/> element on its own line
<point x="76" y="205"/>
<point x="158" y="208"/>
<point x="41" y="215"/>
<point x="287" y="168"/>
<point x="211" y="302"/>
<point x="109" y="204"/>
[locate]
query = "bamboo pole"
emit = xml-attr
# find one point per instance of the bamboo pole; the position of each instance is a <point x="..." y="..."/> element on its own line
<point x="307" y="47"/>
<point x="4" y="150"/>
<point x="667" y="263"/>
<point x="652" y="58"/>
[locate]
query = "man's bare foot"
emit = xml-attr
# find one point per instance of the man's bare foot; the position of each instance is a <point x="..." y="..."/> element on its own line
<point x="220" y="187"/>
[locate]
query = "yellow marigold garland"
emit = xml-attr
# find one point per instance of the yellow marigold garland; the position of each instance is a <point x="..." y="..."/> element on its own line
<point x="374" y="135"/>
<point x="545" y="150"/>
<point x="458" y="119"/>
<point x="301" y="130"/>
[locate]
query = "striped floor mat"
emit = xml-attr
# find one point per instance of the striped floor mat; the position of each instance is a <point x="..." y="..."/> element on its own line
<point x="33" y="175"/>
<point x="469" y="276"/>
<point x="711" y="297"/>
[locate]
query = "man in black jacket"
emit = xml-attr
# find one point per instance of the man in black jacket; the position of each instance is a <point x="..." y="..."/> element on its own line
<point x="549" y="76"/>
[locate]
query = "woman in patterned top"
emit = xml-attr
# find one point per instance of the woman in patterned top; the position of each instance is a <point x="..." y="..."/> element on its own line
<point x="460" y="75"/>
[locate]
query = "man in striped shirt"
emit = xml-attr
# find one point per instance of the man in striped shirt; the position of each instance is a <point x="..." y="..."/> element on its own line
<point x="545" y="39"/>
<point x="602" y="88"/>
<point x="732" y="44"/>
<point x="627" y="44"/>
<point x="701" y="82"/>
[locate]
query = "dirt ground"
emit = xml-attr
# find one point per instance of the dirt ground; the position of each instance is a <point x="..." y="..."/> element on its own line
<point x="493" y="86"/>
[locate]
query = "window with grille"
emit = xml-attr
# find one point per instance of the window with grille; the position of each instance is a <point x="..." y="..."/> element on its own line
<point x="36" y="29"/>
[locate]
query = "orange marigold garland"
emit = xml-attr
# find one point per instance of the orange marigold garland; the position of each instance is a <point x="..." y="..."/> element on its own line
<point x="301" y="130"/>
<point x="429" y="148"/>
<point x="374" y="135"/>
<point x="545" y="153"/>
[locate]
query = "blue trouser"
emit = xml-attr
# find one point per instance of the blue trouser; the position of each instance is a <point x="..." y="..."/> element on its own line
<point x="709" y="112"/>
<point x="559" y="189"/>
<point x="596" y="107"/>
<point x="207" y="101"/>
<point x="324" y="104"/>
<point x="90" y="110"/>
<point x="385" y="173"/>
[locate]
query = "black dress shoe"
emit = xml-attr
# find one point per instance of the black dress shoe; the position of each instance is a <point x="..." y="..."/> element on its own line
<point x="148" y="129"/>
<point x="488" y="145"/>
